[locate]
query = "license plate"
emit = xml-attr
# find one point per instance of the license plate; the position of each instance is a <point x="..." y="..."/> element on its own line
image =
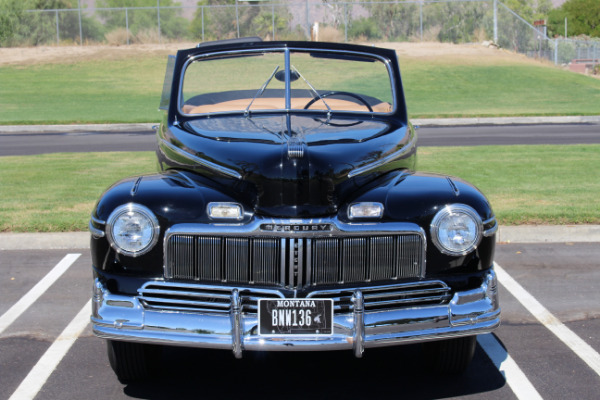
<point x="295" y="317"/>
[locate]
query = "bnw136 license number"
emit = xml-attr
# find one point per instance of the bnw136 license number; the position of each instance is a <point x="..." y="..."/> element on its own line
<point x="295" y="317"/>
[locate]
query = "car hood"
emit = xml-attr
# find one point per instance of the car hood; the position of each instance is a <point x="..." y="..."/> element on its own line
<point x="288" y="165"/>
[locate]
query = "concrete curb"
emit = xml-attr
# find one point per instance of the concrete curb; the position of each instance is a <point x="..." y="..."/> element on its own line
<point x="506" y="234"/>
<point x="29" y="129"/>
<point x="506" y="121"/>
<point x="549" y="234"/>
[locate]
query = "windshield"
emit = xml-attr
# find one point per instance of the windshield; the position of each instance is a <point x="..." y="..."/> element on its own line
<point x="258" y="82"/>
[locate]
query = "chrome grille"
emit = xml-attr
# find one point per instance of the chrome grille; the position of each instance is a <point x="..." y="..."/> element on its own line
<point x="390" y="296"/>
<point x="200" y="298"/>
<point x="294" y="262"/>
<point x="216" y="299"/>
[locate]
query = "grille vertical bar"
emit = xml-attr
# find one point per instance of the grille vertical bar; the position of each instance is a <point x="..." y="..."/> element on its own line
<point x="265" y="260"/>
<point x="182" y="257"/>
<point x="354" y="260"/>
<point x="383" y="253"/>
<point x="210" y="252"/>
<point x="409" y="259"/>
<point x="325" y="261"/>
<point x="237" y="260"/>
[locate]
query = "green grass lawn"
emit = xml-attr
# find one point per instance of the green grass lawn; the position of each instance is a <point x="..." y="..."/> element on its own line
<point x="128" y="90"/>
<point x="498" y="90"/>
<point x="526" y="184"/>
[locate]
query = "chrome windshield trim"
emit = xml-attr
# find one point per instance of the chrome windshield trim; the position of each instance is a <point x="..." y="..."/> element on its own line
<point x="287" y="51"/>
<point x="201" y="161"/>
<point x="365" y="168"/>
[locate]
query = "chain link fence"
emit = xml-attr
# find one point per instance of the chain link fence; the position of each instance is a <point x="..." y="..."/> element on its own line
<point x="455" y="21"/>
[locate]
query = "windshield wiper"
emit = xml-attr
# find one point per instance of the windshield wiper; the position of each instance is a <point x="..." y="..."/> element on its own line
<point x="315" y="92"/>
<point x="260" y="91"/>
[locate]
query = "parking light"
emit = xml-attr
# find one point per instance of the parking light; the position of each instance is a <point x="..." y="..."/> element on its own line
<point x="365" y="210"/>
<point x="229" y="211"/>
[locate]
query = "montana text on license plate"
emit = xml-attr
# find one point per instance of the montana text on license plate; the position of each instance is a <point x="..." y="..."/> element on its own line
<point x="295" y="317"/>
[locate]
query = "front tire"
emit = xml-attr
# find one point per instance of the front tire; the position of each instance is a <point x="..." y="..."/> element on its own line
<point x="132" y="361"/>
<point x="449" y="356"/>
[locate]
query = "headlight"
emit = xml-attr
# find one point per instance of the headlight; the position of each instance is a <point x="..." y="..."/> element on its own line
<point x="132" y="229"/>
<point x="456" y="229"/>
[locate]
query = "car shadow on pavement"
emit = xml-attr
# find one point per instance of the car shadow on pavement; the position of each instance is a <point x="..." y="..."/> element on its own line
<point x="386" y="372"/>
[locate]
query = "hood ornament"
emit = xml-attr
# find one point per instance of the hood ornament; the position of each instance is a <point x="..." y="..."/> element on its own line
<point x="295" y="148"/>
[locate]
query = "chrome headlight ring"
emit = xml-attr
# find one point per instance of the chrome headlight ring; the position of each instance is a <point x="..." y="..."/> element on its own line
<point x="132" y="229"/>
<point x="456" y="229"/>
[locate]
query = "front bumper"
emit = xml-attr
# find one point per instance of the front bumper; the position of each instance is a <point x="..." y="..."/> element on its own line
<point x="125" y="318"/>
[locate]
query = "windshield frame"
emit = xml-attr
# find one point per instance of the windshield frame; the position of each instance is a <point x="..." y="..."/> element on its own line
<point x="286" y="51"/>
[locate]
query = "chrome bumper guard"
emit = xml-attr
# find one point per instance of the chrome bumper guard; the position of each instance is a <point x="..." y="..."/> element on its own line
<point x="125" y="318"/>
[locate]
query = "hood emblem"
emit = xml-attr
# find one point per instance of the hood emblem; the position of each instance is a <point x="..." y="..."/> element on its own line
<point x="296" y="227"/>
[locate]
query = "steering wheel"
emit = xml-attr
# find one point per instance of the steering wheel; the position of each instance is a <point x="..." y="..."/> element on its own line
<point x="338" y="93"/>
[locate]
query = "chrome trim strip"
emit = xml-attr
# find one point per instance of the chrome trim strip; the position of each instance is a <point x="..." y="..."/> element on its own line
<point x="453" y="186"/>
<point x="300" y="262"/>
<point x="97" y="221"/>
<point x="493" y="229"/>
<point x="201" y="161"/>
<point x="96" y="233"/>
<point x="365" y="168"/>
<point x="338" y="228"/>
<point x="135" y="186"/>
<point x="308" y="261"/>
<point x="283" y="251"/>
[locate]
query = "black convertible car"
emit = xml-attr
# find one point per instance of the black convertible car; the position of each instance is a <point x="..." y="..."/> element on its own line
<point x="287" y="216"/>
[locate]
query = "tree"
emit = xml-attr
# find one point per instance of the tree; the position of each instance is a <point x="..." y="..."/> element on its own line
<point x="530" y="10"/>
<point x="220" y="21"/>
<point x="172" y="25"/>
<point x="18" y="27"/>
<point x="397" y="20"/>
<point x="11" y="12"/>
<point x="583" y="18"/>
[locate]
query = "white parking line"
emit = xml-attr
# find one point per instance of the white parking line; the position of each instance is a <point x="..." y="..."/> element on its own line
<point x="39" y="289"/>
<point x="515" y="378"/>
<point x="39" y="374"/>
<point x="567" y="336"/>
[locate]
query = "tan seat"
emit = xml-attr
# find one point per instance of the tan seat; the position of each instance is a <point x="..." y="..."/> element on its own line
<point x="279" y="104"/>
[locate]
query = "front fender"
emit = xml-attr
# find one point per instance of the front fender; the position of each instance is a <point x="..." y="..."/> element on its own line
<point x="173" y="196"/>
<point x="416" y="197"/>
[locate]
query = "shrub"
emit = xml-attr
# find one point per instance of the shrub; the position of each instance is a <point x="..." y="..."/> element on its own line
<point x="364" y="28"/>
<point x="330" y="34"/>
<point x="118" y="37"/>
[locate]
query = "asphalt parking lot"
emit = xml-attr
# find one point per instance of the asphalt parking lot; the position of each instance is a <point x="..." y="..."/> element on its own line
<point x="547" y="346"/>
